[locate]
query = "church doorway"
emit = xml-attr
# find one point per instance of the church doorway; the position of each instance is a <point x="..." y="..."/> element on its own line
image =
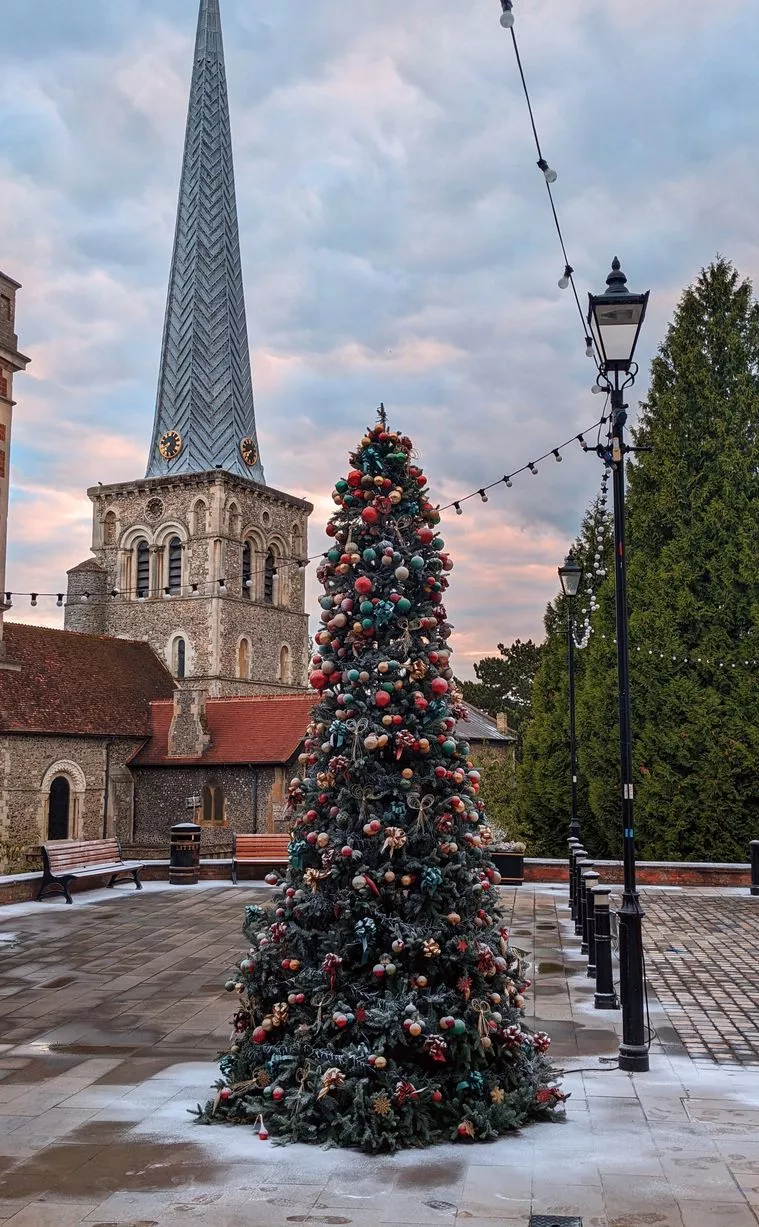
<point x="58" y="813"/>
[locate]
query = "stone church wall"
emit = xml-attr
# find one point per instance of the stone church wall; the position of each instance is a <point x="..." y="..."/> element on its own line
<point x="254" y="802"/>
<point x="30" y="763"/>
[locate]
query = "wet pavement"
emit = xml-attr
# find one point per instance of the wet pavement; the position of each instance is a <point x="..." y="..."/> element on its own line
<point x="111" y="1012"/>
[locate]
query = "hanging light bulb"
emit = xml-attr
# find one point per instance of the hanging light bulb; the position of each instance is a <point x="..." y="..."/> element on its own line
<point x="507" y="16"/>
<point x="583" y="444"/>
<point x="9" y="600"/>
<point x="564" y="281"/>
<point x="459" y="509"/>
<point x="194" y="591"/>
<point x="59" y="602"/>
<point x="483" y="495"/>
<point x="167" y="592"/>
<point x="508" y="482"/>
<point x="85" y="597"/>
<point x="557" y="455"/>
<point x="114" y="594"/>
<point x="34" y="598"/>
<point x="596" y="389"/>
<point x="550" y="174"/>
<point x="223" y="587"/>
<point x="532" y="469"/>
<point x="588" y="347"/>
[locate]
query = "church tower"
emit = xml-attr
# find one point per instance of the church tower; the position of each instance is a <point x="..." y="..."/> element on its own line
<point x="201" y="558"/>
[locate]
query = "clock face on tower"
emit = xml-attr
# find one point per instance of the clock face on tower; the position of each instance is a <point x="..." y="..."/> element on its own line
<point x="170" y="445"/>
<point x="249" y="452"/>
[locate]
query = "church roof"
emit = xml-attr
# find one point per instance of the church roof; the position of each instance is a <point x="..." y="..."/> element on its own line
<point x="89" y="564"/>
<point x="482" y="727"/>
<point x="254" y="729"/>
<point x="205" y="390"/>
<point x="80" y="685"/>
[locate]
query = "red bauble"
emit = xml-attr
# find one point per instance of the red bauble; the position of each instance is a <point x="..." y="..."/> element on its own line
<point x="263" y="1134"/>
<point x="225" y="1094"/>
<point x="397" y="720"/>
<point x="346" y="852"/>
<point x="278" y="1094"/>
<point x="259" y="1036"/>
<point x="439" y="685"/>
<point x="318" y="679"/>
<point x="421" y="480"/>
<point x="437" y="1096"/>
<point x="363" y="585"/>
<point x="370" y="515"/>
<point x="354" y="478"/>
<point x="441" y="772"/>
<point x="421" y="702"/>
<point x="425" y="535"/>
<point x="382" y="698"/>
<point x="331" y="529"/>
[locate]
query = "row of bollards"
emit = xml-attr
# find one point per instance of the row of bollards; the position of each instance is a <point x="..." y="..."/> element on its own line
<point x="590" y="909"/>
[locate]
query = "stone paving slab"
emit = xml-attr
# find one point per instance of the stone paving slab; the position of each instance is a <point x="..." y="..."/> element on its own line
<point x="114" y="1011"/>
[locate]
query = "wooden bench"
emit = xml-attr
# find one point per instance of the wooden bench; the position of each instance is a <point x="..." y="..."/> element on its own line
<point x="259" y="850"/>
<point x="66" y="859"/>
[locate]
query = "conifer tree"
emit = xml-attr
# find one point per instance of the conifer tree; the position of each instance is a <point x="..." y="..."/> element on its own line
<point x="694" y="581"/>
<point x="379" y="1003"/>
<point x="504" y="684"/>
<point x="543" y="793"/>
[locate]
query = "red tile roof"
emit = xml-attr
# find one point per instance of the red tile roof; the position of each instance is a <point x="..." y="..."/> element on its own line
<point x="255" y="729"/>
<point x="78" y="684"/>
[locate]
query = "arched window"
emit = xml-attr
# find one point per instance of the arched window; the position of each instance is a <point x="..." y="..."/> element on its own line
<point x="247" y="570"/>
<point x="270" y="570"/>
<point x="213" y="804"/>
<point x="243" y="658"/>
<point x="200" y="518"/>
<point x="109" y="528"/>
<point x="296" y="541"/>
<point x="179" y="658"/>
<point x="142" y="555"/>
<point x="235" y="521"/>
<point x="285" y="666"/>
<point x="58" y="811"/>
<point x="175" y="566"/>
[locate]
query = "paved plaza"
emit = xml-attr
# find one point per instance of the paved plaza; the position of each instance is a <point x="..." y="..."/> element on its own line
<point x="112" y="1010"/>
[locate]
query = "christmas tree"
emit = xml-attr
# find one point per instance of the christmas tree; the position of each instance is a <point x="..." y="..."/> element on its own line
<point x="379" y="1004"/>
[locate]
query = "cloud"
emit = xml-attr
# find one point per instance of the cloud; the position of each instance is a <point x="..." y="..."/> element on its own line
<point x="397" y="243"/>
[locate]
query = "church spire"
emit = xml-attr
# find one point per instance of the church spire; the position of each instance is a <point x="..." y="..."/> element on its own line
<point x="204" y="415"/>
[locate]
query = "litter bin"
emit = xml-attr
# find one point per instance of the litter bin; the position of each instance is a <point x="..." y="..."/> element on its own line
<point x="184" y="855"/>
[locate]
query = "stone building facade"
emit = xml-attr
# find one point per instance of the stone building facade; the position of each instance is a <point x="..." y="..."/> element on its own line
<point x="209" y="569"/>
<point x="73" y="713"/>
<point x="225" y="763"/>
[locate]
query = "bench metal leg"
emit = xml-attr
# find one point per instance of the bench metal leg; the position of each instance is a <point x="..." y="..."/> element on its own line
<point x="136" y="876"/>
<point x="234" y="874"/>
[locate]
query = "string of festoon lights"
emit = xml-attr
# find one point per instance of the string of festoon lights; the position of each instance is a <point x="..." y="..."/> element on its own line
<point x="221" y="586"/>
<point x="550" y="176"/>
<point x="530" y="467"/>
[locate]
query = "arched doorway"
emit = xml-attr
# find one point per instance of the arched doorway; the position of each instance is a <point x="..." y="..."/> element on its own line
<point x="58" y="812"/>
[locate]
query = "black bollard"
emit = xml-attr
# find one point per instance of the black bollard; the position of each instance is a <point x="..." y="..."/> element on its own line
<point x="586" y="869"/>
<point x="574" y="844"/>
<point x="582" y="862"/>
<point x="592" y="879"/>
<point x="606" y="997"/>
<point x="755" y="866"/>
<point x="577" y="852"/>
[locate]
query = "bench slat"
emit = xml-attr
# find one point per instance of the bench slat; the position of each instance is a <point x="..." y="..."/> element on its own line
<point x="66" y="859"/>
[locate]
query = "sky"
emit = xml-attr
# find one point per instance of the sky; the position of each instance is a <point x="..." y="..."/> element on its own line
<point x="396" y="240"/>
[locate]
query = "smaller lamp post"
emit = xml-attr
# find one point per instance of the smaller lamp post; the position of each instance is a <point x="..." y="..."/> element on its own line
<point x="571" y="577"/>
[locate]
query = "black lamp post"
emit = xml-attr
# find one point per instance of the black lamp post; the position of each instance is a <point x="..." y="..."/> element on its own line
<point x="615" y="319"/>
<point x="571" y="578"/>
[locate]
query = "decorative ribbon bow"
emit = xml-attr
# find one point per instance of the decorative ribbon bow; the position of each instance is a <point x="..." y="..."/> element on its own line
<point x="423" y="805"/>
<point x="358" y="730"/>
<point x="366" y="930"/>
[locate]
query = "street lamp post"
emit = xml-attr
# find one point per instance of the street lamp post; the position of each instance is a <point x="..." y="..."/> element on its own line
<point x="571" y="578"/>
<point x="615" y="319"/>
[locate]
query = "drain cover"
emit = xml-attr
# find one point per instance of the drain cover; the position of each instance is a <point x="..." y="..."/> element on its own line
<point x="554" y="1220"/>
